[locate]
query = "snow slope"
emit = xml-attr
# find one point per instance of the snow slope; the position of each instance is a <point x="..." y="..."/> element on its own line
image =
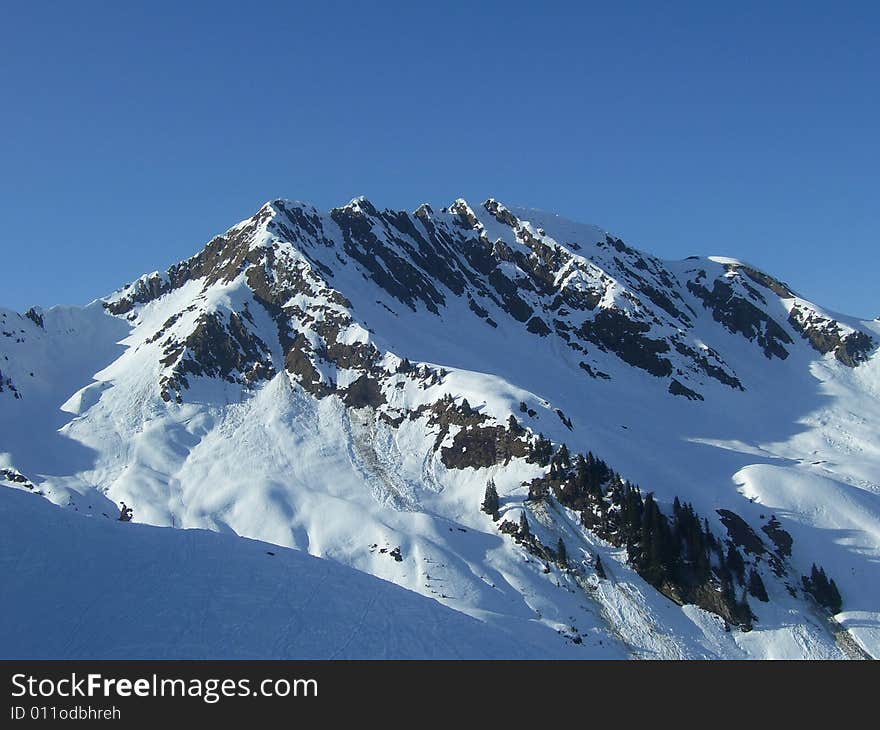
<point x="224" y="394"/>
<point x="76" y="587"/>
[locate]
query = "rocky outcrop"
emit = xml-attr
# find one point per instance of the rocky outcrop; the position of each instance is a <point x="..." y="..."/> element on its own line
<point x="6" y="384"/>
<point x="615" y="332"/>
<point x="34" y="316"/>
<point x="16" y="477"/>
<point x="851" y="347"/>
<point x="741" y="316"/>
<point x="217" y="349"/>
<point x="677" y="388"/>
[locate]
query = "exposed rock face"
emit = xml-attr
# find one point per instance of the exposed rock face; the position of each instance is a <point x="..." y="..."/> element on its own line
<point x="614" y="331"/>
<point x="217" y="349"/>
<point x="363" y="392"/>
<point x="826" y="335"/>
<point x="16" y="477"/>
<point x="6" y="384"/>
<point x="479" y="447"/>
<point x="34" y="316"/>
<point x="774" y="285"/>
<point x="741" y="316"/>
<point x="677" y="388"/>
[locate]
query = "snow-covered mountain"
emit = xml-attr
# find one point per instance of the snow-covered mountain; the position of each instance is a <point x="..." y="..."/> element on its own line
<point x="674" y="444"/>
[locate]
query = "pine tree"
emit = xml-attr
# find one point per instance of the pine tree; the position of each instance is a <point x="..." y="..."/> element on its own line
<point x="561" y="556"/>
<point x="600" y="569"/>
<point x="524" y="525"/>
<point x="581" y="475"/>
<point x="756" y="586"/>
<point x="491" y="503"/>
<point x="835" y="601"/>
<point x="823" y="590"/>
<point x="541" y="450"/>
<point x="735" y="563"/>
<point x="655" y="559"/>
<point x="563" y="457"/>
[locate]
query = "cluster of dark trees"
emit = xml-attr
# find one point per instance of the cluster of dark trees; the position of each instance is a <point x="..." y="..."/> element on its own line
<point x="491" y="503"/>
<point x="677" y="554"/>
<point x="540" y="450"/>
<point x="423" y="372"/>
<point x="823" y="589"/>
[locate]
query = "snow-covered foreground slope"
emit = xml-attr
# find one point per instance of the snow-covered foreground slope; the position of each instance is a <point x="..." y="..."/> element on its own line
<point x="346" y="384"/>
<point x="78" y="588"/>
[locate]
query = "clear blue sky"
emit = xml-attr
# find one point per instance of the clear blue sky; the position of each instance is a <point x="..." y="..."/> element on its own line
<point x="130" y="133"/>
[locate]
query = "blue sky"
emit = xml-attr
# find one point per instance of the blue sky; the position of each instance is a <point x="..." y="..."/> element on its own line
<point x="132" y="133"/>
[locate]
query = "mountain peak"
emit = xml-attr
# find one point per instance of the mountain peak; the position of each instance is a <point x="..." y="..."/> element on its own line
<point x="360" y="204"/>
<point x="349" y="382"/>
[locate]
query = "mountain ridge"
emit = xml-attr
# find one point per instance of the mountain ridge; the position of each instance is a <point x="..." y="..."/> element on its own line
<point x="442" y="349"/>
<point x="623" y="335"/>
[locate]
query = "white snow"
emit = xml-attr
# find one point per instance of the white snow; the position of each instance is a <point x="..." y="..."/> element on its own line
<point x="86" y="587"/>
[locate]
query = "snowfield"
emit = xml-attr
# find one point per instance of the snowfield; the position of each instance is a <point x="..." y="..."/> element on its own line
<point x="344" y="491"/>
<point x="91" y="588"/>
